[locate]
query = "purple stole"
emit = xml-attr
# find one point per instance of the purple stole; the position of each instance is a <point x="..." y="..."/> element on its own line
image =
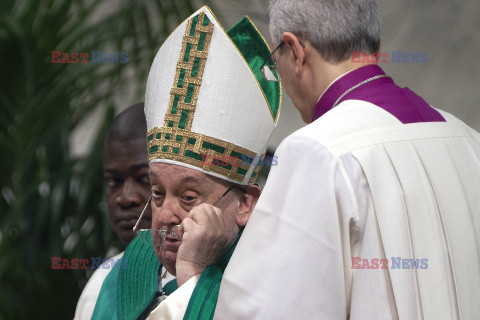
<point x="402" y="103"/>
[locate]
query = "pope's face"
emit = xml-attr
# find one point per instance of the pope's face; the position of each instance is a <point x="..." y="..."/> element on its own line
<point x="176" y="190"/>
<point x="125" y="167"/>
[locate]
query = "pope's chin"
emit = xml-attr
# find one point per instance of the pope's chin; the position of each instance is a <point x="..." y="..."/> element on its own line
<point x="168" y="258"/>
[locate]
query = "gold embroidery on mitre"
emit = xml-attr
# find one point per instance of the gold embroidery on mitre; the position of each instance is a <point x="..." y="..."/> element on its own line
<point x="189" y="147"/>
<point x="184" y="80"/>
<point x="175" y="140"/>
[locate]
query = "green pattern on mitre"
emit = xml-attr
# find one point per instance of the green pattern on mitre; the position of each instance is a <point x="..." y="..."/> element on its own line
<point x="255" y="50"/>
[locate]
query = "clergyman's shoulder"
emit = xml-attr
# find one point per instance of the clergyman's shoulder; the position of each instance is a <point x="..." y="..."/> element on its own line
<point x="343" y="123"/>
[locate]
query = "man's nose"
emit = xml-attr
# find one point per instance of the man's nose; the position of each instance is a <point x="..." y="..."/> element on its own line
<point x="169" y="213"/>
<point x="129" y="195"/>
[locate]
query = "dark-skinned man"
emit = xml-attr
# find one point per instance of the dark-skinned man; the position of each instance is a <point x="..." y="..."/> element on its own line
<point x="127" y="188"/>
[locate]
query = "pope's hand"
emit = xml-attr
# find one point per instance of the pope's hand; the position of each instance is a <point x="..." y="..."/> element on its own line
<point x="204" y="241"/>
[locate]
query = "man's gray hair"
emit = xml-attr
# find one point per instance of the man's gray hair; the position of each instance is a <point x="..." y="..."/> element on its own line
<point x="336" y="28"/>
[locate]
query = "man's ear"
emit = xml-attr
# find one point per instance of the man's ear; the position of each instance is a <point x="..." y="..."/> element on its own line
<point x="247" y="203"/>
<point x="297" y="50"/>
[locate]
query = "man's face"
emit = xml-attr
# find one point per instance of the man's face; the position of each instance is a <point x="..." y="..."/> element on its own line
<point x="127" y="188"/>
<point x="176" y="190"/>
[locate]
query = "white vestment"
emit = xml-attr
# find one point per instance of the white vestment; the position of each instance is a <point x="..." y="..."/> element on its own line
<point x="175" y="305"/>
<point x="88" y="298"/>
<point x="370" y="188"/>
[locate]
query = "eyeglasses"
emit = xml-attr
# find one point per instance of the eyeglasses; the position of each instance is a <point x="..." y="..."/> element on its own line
<point x="269" y="68"/>
<point x="155" y="237"/>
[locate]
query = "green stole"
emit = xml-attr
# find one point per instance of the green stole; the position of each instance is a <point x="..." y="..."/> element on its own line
<point x="204" y="297"/>
<point x="127" y="291"/>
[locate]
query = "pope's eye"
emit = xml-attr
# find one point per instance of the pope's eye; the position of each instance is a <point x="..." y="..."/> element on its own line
<point x="189" y="197"/>
<point x="156" y="193"/>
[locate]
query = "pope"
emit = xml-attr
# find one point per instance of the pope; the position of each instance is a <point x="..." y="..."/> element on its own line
<point x="206" y="99"/>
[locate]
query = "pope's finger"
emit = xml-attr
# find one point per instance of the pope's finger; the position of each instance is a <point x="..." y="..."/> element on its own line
<point x="204" y="214"/>
<point x="219" y="213"/>
<point x="187" y="225"/>
<point x="216" y="217"/>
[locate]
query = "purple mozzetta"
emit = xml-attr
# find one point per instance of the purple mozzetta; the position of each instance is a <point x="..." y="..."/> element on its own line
<point x="402" y="103"/>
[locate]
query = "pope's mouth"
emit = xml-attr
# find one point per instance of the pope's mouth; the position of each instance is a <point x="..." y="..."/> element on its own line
<point x="171" y="244"/>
